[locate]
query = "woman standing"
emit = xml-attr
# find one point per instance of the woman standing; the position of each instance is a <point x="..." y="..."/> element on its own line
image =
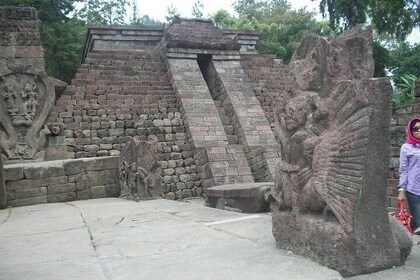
<point x="409" y="186"/>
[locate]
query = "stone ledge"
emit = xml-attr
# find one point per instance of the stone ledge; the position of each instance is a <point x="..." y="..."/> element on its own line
<point x="246" y="198"/>
<point x="61" y="180"/>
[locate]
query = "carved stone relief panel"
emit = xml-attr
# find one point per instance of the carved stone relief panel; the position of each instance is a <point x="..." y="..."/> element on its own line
<point x="26" y="98"/>
<point x="139" y="169"/>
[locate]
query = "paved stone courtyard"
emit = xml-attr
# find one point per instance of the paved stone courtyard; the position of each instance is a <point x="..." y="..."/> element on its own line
<point x="113" y="238"/>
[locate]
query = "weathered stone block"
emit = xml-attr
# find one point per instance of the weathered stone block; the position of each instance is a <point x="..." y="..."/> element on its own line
<point x="23" y="184"/>
<point x="98" y="191"/>
<point x="28" y="201"/>
<point x="102" y="177"/>
<point x="54" y="181"/>
<point x="43" y="171"/>
<point x="83" y="194"/>
<point x="73" y="167"/>
<point x="10" y="195"/>
<point x="77" y="178"/>
<point x="113" y="190"/>
<point x="13" y="173"/>
<point x="60" y="189"/>
<point x="101" y="163"/>
<point x="247" y="198"/>
<point x="61" y="197"/>
<point x="80" y="186"/>
<point x="26" y="193"/>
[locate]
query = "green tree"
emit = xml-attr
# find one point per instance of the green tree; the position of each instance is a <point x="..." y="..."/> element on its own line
<point x="395" y="17"/>
<point x="344" y="14"/>
<point x="197" y="9"/>
<point x="63" y="42"/>
<point x="404" y="92"/>
<point x="281" y="28"/>
<point x="146" y="20"/>
<point x="403" y="68"/>
<point x="172" y="13"/>
<point x="404" y="60"/>
<point x="104" y="11"/>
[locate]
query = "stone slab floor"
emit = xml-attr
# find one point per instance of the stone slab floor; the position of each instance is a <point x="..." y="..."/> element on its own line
<point x="156" y="239"/>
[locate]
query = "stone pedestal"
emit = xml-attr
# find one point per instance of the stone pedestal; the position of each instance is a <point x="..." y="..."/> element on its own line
<point x="245" y="198"/>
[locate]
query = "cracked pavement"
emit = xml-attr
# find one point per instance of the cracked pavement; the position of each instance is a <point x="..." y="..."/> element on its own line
<point x="114" y="238"/>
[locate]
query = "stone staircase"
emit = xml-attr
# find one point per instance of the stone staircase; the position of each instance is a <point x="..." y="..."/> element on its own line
<point x="233" y="140"/>
<point x="217" y="162"/>
<point x="250" y="121"/>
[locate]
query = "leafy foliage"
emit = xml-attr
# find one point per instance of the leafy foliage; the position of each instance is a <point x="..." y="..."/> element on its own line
<point x="281" y="28"/>
<point x="404" y="68"/>
<point x="63" y="43"/>
<point x="172" y="13"/>
<point x="404" y="59"/>
<point x="103" y="11"/>
<point x="344" y="13"/>
<point x="197" y="9"/>
<point x="395" y="17"/>
<point x="404" y="94"/>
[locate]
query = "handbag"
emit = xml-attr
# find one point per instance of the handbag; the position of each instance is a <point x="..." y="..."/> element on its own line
<point x="403" y="215"/>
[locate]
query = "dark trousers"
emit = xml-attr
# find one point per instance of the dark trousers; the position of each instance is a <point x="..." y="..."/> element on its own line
<point x="414" y="206"/>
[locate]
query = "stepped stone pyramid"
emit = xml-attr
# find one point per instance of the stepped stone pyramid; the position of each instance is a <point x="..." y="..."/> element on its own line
<point x="198" y="89"/>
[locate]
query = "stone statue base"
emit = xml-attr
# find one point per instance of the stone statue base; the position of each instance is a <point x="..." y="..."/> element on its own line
<point x="349" y="255"/>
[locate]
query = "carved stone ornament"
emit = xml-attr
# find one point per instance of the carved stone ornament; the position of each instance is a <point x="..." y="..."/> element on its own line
<point x="139" y="169"/>
<point x="26" y="99"/>
<point x="329" y="195"/>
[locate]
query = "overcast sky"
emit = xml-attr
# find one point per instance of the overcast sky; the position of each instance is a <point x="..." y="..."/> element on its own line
<point x="158" y="9"/>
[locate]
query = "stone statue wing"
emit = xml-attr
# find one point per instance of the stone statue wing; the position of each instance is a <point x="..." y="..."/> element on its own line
<point x="338" y="164"/>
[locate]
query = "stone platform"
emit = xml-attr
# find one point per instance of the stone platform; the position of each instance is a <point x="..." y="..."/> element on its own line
<point x="244" y="198"/>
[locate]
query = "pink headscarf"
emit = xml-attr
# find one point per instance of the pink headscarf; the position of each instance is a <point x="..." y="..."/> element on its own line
<point x="410" y="138"/>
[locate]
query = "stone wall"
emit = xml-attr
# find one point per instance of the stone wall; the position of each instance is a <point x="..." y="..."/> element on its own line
<point x="122" y="91"/>
<point x="269" y="76"/>
<point x="20" y="41"/>
<point x="61" y="180"/>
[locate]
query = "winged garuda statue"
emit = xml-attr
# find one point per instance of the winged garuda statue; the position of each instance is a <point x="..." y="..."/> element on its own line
<point x="333" y="126"/>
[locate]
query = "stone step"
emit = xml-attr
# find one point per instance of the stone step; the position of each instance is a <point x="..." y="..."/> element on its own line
<point x="245" y="198"/>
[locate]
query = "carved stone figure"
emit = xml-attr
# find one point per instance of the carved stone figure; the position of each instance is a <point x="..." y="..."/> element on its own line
<point x="328" y="202"/>
<point x="10" y="98"/>
<point x="29" y="94"/>
<point x="139" y="169"/>
<point x="27" y="98"/>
